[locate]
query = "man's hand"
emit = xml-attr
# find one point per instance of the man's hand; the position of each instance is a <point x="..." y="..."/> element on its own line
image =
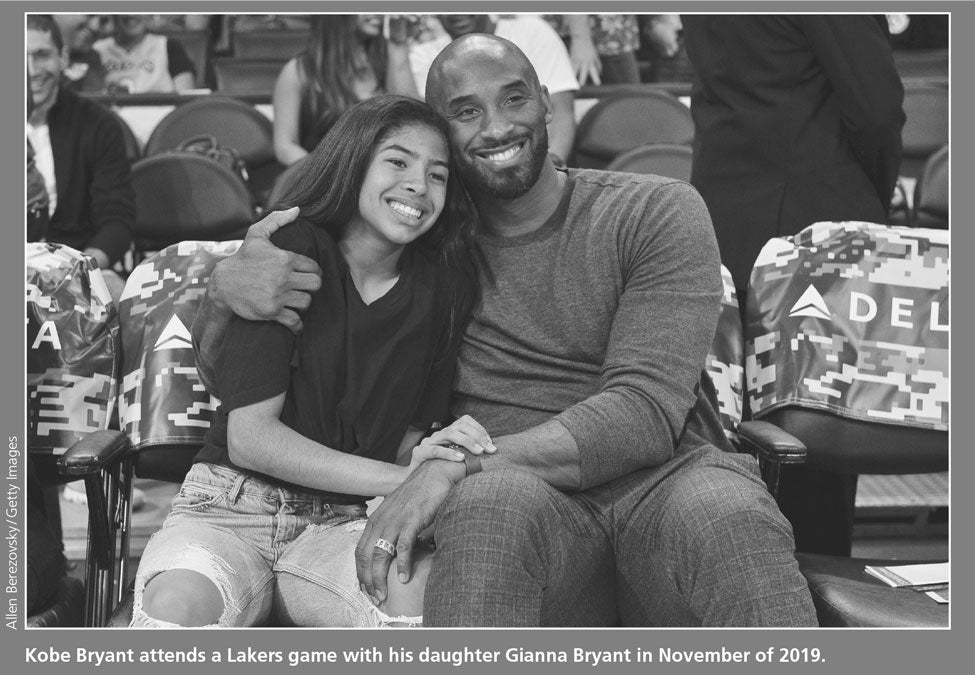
<point x="264" y="283"/>
<point x="399" y="520"/>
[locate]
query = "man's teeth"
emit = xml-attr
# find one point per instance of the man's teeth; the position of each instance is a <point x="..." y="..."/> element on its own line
<point x="507" y="154"/>
<point x="405" y="210"/>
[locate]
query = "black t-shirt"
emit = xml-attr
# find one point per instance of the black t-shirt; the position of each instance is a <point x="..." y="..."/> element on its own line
<point x="358" y="375"/>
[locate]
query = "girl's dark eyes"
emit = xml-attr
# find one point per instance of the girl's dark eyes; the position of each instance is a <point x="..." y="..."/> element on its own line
<point x="439" y="177"/>
<point x="397" y="162"/>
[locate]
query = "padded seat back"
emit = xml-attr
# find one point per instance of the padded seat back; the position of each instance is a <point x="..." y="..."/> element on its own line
<point x="184" y="196"/>
<point x="662" y="159"/>
<point x="726" y="359"/>
<point x="627" y="120"/>
<point x="235" y="75"/>
<point x="847" y="345"/>
<point x="234" y="123"/>
<point x="72" y="349"/>
<point x="165" y="410"/>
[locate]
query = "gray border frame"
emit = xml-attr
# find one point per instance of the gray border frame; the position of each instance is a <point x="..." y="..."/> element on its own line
<point x="863" y="651"/>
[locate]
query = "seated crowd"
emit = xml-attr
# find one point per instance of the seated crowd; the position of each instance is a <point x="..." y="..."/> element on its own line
<point x="574" y="470"/>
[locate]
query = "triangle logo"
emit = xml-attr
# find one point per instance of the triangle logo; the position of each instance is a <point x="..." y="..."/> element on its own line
<point x="811" y="303"/>
<point x="174" y="336"/>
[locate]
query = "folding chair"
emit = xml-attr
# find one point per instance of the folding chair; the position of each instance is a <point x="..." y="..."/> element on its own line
<point x="847" y="350"/>
<point x="72" y="382"/>
<point x="628" y="120"/>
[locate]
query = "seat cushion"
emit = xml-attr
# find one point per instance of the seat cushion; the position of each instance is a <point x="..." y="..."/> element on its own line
<point x="847" y="596"/>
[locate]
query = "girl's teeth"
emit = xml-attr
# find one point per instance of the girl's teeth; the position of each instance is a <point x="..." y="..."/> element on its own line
<point x="405" y="210"/>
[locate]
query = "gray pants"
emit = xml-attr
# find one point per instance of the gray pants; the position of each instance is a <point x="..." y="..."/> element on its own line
<point x="696" y="542"/>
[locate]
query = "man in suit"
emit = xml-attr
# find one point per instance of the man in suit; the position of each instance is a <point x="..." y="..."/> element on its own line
<point x="797" y="119"/>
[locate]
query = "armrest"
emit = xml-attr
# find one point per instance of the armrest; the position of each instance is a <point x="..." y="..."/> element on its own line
<point x="769" y="443"/>
<point x="93" y="453"/>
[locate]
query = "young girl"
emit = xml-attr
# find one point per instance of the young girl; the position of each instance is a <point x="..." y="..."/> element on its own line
<point x="347" y="60"/>
<point x="309" y="427"/>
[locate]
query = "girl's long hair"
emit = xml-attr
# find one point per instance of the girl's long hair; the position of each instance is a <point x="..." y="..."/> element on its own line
<point x="327" y="186"/>
<point x="327" y="68"/>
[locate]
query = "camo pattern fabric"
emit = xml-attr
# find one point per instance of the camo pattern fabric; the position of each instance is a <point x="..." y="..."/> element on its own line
<point x="725" y="363"/>
<point x="852" y="318"/>
<point x="163" y="400"/>
<point x="72" y="348"/>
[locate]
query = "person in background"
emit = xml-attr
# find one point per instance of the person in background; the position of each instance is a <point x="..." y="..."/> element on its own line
<point x="347" y="60"/>
<point x="80" y="152"/>
<point x="137" y="61"/>
<point x="797" y="119"/>
<point x="543" y="47"/>
<point x="602" y="47"/>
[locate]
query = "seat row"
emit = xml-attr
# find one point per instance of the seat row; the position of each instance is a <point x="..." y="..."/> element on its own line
<point x="842" y="356"/>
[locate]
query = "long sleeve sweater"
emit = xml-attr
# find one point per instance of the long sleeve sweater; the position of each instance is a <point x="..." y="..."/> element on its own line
<point x="601" y="319"/>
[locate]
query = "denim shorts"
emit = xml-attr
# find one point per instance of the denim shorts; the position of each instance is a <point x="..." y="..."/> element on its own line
<point x="274" y="554"/>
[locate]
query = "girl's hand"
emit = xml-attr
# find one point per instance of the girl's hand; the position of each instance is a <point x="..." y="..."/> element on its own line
<point x="464" y="432"/>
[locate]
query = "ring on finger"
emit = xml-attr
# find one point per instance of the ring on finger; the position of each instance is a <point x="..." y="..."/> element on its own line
<point x="385" y="545"/>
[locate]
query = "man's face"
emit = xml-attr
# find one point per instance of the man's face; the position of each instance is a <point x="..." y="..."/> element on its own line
<point x="497" y="123"/>
<point x="462" y="24"/>
<point x="44" y="65"/>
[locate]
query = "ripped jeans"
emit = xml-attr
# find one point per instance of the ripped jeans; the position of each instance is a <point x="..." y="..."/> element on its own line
<point x="272" y="553"/>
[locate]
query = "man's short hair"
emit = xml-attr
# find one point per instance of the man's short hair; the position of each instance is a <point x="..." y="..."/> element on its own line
<point x="45" y="23"/>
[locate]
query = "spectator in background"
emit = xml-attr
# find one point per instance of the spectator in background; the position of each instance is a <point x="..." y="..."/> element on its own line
<point x="347" y="60"/>
<point x="137" y="61"/>
<point x="85" y="72"/>
<point x="544" y="49"/>
<point x="80" y="152"/>
<point x="668" y="55"/>
<point x="602" y="47"/>
<point x="797" y="119"/>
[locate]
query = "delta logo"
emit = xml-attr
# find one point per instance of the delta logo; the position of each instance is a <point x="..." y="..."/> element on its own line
<point x="174" y="336"/>
<point x="865" y="308"/>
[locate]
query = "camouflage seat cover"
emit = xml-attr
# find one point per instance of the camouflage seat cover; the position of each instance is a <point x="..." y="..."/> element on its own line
<point x="72" y="348"/>
<point x="852" y="318"/>
<point x="726" y="359"/>
<point x="163" y="401"/>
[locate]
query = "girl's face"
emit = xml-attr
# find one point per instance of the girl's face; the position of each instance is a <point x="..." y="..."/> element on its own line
<point x="405" y="187"/>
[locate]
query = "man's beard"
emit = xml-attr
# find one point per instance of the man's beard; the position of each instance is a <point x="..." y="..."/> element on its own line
<point x="511" y="182"/>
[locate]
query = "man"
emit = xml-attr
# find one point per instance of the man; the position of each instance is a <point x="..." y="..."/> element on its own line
<point x="137" y="61"/>
<point x="613" y="495"/>
<point x="543" y="47"/>
<point x="80" y="152"/>
<point x="798" y="120"/>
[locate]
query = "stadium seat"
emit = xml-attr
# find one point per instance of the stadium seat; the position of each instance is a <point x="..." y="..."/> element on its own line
<point x="72" y="383"/>
<point x="628" y="120"/>
<point x="926" y="127"/>
<point x="270" y="45"/>
<point x="184" y="196"/>
<point x="234" y="123"/>
<point x="847" y="350"/>
<point x="235" y="75"/>
<point x="931" y="206"/>
<point x="663" y="159"/>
